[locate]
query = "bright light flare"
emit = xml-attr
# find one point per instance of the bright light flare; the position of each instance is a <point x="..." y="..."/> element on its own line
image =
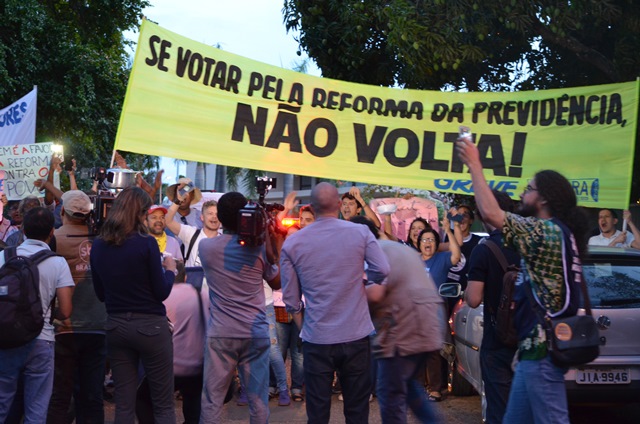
<point x="289" y="222"/>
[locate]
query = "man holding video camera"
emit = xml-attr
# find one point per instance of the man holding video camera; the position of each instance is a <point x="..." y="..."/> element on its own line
<point x="238" y="332"/>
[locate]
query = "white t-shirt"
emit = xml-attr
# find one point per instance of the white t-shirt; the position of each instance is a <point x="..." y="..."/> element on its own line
<point x="185" y="235"/>
<point x="601" y="240"/>
<point x="54" y="274"/>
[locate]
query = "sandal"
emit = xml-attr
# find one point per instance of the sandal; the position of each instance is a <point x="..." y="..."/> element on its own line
<point x="297" y="397"/>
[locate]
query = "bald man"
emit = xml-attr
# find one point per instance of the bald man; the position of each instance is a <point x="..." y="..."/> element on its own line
<point x="324" y="262"/>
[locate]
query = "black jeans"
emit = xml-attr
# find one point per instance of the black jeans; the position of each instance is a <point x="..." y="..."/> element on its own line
<point x="497" y="376"/>
<point x="352" y="360"/>
<point x="133" y="338"/>
<point x="78" y="373"/>
<point x="190" y="388"/>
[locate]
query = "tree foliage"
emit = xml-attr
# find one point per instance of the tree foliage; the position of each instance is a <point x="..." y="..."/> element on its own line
<point x="490" y="45"/>
<point x="471" y="44"/>
<point x="75" y="52"/>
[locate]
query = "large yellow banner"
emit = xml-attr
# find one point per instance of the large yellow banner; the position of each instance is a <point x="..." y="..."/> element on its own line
<point x="194" y="102"/>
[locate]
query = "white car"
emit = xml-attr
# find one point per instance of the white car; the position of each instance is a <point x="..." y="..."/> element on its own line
<point x="613" y="280"/>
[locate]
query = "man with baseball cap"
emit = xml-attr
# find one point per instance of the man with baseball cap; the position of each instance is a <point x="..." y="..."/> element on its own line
<point x="80" y="348"/>
<point x="189" y="196"/>
<point x="156" y="224"/>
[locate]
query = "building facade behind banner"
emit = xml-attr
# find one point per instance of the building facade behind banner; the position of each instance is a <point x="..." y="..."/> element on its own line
<point x="212" y="177"/>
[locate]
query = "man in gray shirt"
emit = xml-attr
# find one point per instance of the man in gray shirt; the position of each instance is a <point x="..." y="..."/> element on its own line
<point x="324" y="262"/>
<point x="238" y="330"/>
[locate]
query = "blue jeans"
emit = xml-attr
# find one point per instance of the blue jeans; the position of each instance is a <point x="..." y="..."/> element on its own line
<point x="276" y="360"/>
<point x="289" y="338"/>
<point x="398" y="387"/>
<point x="221" y="356"/>
<point x="134" y="338"/>
<point x="497" y="376"/>
<point x="34" y="362"/>
<point x="538" y="394"/>
<point x="78" y="373"/>
<point x="352" y="361"/>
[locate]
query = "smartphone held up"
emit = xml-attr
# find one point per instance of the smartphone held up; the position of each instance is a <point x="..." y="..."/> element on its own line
<point x="464" y="133"/>
<point x="185" y="189"/>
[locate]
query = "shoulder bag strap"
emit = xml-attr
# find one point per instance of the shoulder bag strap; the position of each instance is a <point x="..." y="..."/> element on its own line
<point x="540" y="312"/>
<point x="10" y="252"/>
<point x="191" y="243"/>
<point x="497" y="253"/>
<point x="37" y="258"/>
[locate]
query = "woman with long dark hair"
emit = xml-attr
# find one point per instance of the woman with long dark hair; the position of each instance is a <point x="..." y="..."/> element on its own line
<point x="417" y="226"/>
<point x="128" y="276"/>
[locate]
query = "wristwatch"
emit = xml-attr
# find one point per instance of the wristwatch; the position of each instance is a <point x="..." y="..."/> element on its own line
<point x="177" y="201"/>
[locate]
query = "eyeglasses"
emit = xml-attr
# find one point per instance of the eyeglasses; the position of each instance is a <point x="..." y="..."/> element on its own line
<point x="529" y="188"/>
<point x="429" y="240"/>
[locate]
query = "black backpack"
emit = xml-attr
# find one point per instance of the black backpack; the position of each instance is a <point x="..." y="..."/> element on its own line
<point x="503" y="316"/>
<point x="21" y="314"/>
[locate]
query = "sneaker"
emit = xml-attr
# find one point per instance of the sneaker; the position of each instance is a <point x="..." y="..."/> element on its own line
<point x="283" y="398"/>
<point x="242" y="399"/>
<point x="435" y="397"/>
<point x="273" y="393"/>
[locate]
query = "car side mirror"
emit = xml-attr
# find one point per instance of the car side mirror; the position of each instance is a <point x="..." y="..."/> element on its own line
<point x="450" y="290"/>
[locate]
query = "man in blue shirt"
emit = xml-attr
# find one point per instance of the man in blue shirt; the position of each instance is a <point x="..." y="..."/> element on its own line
<point x="324" y="262"/>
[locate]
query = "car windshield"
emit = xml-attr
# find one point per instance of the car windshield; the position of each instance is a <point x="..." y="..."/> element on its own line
<point x="612" y="284"/>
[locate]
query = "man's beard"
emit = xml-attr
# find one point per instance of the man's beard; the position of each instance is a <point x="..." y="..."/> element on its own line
<point x="155" y="232"/>
<point x="526" y="210"/>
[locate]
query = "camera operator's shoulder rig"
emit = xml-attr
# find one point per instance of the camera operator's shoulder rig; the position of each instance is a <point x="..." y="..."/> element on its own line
<point x="254" y="218"/>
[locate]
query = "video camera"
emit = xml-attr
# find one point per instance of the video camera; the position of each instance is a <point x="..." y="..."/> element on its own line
<point x="100" y="205"/>
<point x="100" y="202"/>
<point x="97" y="173"/>
<point x="254" y="218"/>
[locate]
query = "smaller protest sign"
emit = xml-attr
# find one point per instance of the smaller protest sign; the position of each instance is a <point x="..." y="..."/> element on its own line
<point x="23" y="164"/>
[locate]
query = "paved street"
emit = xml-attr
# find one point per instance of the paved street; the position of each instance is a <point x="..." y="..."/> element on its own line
<point x="460" y="410"/>
<point x="454" y="410"/>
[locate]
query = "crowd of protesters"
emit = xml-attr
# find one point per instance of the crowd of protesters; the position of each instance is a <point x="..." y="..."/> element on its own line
<point x="170" y="298"/>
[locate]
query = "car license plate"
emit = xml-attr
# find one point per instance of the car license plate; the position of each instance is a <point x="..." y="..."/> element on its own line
<point x="611" y="376"/>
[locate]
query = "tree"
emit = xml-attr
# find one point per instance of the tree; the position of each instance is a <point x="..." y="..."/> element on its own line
<point x="468" y="43"/>
<point x="75" y="52"/>
<point x="491" y="45"/>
